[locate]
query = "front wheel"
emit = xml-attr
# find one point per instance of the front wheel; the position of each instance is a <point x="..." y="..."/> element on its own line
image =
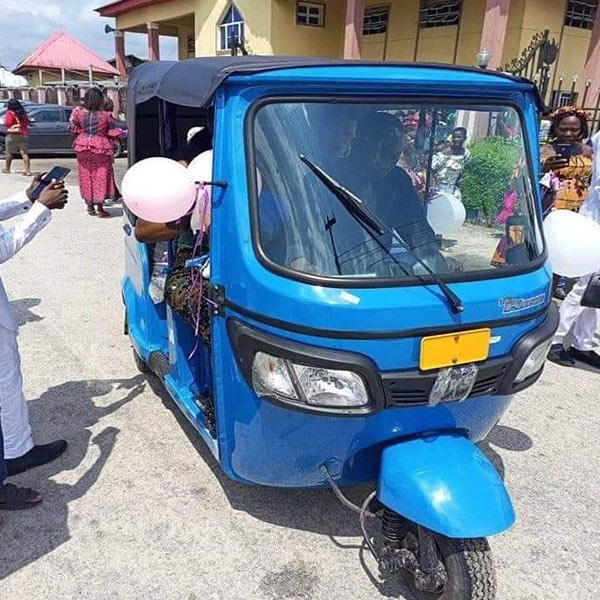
<point x="141" y="365"/>
<point x="469" y="571"/>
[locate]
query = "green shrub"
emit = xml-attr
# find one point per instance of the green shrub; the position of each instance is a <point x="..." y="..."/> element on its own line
<point x="487" y="174"/>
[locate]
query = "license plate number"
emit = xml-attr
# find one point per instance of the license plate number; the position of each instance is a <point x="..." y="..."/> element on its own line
<point x="453" y="349"/>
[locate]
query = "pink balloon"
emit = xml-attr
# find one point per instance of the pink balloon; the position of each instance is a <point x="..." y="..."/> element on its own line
<point x="158" y="190"/>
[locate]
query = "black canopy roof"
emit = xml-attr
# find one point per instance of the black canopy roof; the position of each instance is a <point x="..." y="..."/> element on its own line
<point x="193" y="82"/>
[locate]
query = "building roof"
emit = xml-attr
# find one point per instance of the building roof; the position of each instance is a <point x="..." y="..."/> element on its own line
<point x="63" y="51"/>
<point x="7" y="79"/>
<point x="114" y="9"/>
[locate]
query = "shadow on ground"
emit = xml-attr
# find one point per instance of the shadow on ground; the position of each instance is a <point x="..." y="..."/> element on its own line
<point x="22" y="310"/>
<point x="506" y="438"/>
<point x="67" y="410"/>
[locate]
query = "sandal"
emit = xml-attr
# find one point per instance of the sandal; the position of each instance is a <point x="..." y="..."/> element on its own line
<point x="91" y="211"/>
<point x="18" y="498"/>
<point x="5" y="171"/>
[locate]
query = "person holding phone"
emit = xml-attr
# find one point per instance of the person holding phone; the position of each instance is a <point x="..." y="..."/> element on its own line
<point x="568" y="158"/>
<point x="16" y="122"/>
<point x="30" y="211"/>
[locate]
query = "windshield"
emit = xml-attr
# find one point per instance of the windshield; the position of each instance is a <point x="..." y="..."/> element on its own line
<point x="448" y="186"/>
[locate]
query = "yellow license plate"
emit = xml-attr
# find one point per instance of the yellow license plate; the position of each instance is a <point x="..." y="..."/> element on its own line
<point x="451" y="349"/>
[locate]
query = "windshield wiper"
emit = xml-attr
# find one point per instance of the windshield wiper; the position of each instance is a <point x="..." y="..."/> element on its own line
<point x="358" y="209"/>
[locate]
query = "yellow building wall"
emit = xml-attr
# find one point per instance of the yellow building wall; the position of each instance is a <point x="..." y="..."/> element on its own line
<point x="158" y="12"/>
<point x="257" y="27"/>
<point x="270" y="28"/>
<point x="33" y="77"/>
<point x="182" y="38"/>
<point x="437" y="44"/>
<point x="571" y="59"/>
<point x="469" y="35"/>
<point x="289" y="38"/>
<point x="514" y="31"/>
<point x="402" y="32"/>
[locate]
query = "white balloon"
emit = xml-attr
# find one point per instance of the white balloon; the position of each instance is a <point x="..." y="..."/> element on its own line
<point x="158" y="190"/>
<point x="573" y="243"/>
<point x="200" y="169"/>
<point x="446" y="213"/>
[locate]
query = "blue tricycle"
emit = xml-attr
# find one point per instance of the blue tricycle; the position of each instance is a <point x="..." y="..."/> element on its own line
<point x="376" y="282"/>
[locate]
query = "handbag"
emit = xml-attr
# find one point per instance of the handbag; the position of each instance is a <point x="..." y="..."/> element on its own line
<point x="591" y="296"/>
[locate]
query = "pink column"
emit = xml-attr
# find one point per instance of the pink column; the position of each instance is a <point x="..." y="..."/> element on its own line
<point x="153" y="47"/>
<point x="494" y="30"/>
<point x="120" y="53"/>
<point x="41" y="95"/>
<point x="355" y="10"/>
<point x="591" y="70"/>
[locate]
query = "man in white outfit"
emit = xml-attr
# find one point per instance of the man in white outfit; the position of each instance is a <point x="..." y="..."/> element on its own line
<point x="30" y="217"/>
<point x="582" y="320"/>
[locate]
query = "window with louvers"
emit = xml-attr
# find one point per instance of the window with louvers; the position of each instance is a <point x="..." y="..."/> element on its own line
<point x="581" y="13"/>
<point x="376" y="19"/>
<point x="439" y="13"/>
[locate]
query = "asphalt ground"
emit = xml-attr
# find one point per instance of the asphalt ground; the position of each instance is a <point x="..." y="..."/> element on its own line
<point x="137" y="508"/>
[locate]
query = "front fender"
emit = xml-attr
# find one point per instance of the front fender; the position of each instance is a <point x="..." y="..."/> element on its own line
<point x="445" y="483"/>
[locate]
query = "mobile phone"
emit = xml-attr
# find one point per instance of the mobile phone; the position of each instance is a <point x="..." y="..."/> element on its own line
<point x="56" y="173"/>
<point x="565" y="150"/>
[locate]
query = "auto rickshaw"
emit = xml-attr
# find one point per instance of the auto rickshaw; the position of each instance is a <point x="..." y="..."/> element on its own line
<point x="378" y="288"/>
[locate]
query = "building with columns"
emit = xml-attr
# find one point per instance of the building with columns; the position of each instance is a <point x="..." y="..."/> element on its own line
<point x="448" y="31"/>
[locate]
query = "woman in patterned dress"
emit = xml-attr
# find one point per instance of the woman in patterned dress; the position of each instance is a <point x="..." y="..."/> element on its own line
<point x="569" y="125"/>
<point x="95" y="129"/>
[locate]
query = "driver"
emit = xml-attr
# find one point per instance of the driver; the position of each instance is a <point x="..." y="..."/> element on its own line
<point x="387" y="187"/>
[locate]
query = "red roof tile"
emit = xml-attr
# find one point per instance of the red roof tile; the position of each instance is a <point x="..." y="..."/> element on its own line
<point x="123" y="6"/>
<point x="63" y="51"/>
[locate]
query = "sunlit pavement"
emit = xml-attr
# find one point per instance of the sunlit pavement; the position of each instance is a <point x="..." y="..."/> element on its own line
<point x="137" y="508"/>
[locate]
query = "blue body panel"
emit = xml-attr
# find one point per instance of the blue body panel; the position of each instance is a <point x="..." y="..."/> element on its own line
<point x="446" y="484"/>
<point x="260" y="442"/>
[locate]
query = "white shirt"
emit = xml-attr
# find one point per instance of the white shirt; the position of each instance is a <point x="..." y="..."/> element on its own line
<point x="33" y="218"/>
<point x="591" y="207"/>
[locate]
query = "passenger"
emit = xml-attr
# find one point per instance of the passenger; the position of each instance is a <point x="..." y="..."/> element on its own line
<point x="173" y="281"/>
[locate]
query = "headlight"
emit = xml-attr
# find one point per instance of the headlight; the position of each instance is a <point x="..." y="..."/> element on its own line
<point x="534" y="362"/>
<point x="315" y="386"/>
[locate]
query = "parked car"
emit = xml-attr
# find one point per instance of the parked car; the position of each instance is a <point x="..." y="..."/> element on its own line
<point x="3" y="104"/>
<point x="48" y="130"/>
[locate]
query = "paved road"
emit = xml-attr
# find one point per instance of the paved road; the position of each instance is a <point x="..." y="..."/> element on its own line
<point x="45" y="163"/>
<point x="139" y="509"/>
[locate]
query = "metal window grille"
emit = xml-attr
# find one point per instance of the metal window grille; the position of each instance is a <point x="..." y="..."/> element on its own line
<point x="311" y="14"/>
<point x="565" y="98"/>
<point x="376" y="19"/>
<point x="439" y="13"/>
<point x="191" y="45"/>
<point x="231" y="27"/>
<point x="581" y="13"/>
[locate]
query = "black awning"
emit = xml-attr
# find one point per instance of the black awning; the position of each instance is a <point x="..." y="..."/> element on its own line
<point x="193" y="82"/>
